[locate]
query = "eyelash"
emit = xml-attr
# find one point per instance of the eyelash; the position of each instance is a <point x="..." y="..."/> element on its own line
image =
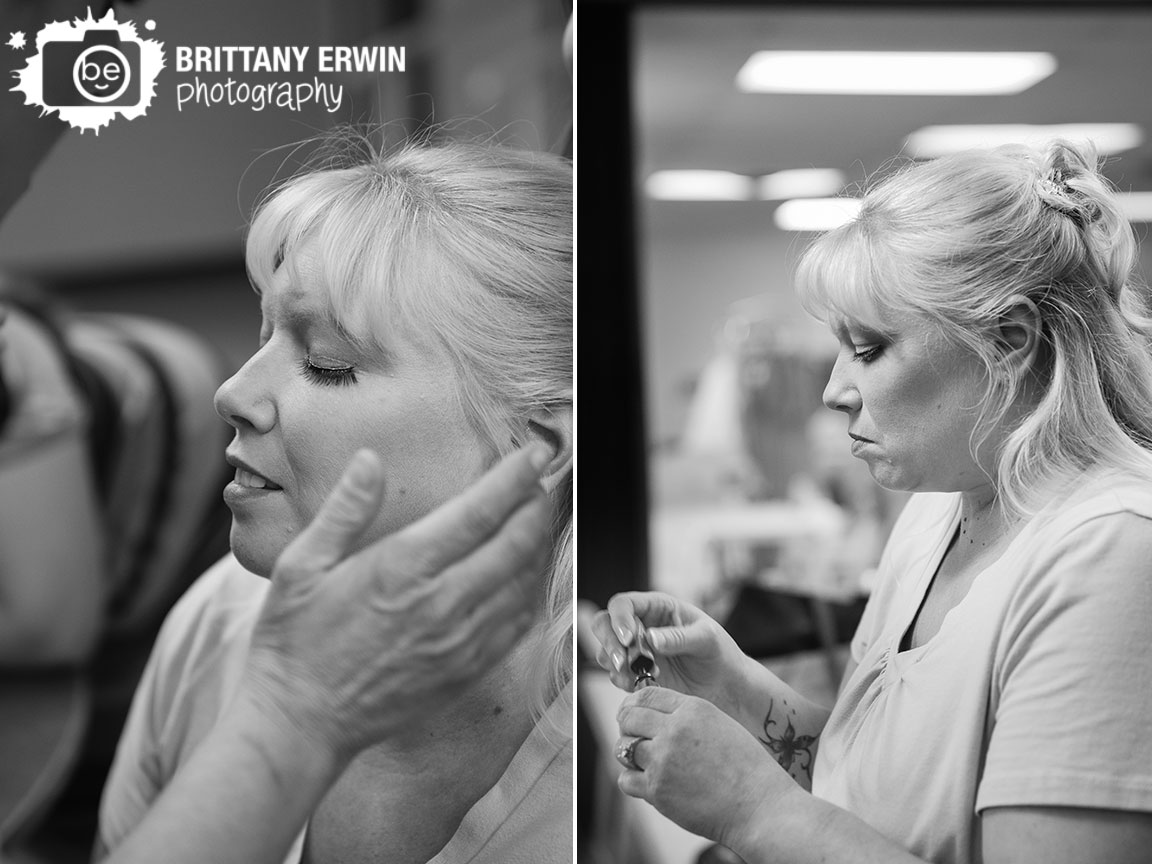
<point x="868" y="354"/>
<point x="327" y="376"/>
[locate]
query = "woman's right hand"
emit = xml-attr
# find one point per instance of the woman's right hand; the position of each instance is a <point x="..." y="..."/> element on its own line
<point x="353" y="647"/>
<point x="693" y="653"/>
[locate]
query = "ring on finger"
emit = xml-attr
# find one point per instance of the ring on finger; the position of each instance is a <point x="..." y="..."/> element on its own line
<point x="626" y="753"/>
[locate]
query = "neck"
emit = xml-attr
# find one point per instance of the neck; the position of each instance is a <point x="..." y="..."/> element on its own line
<point x="490" y="716"/>
<point x="410" y="793"/>
<point x="982" y="519"/>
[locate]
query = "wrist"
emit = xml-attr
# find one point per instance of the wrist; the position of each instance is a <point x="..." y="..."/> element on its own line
<point x="730" y="693"/>
<point x="745" y="691"/>
<point x="766" y="832"/>
<point x="280" y="736"/>
<point x="769" y="810"/>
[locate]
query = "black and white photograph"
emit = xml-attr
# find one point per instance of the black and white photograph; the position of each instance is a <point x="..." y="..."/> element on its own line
<point x="286" y="431"/>
<point x="863" y="553"/>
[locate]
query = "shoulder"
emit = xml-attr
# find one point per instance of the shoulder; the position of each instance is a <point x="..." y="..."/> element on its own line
<point x="193" y="670"/>
<point x="198" y="657"/>
<point x="220" y="607"/>
<point x="1084" y="584"/>
<point x="1104" y="493"/>
<point x="1070" y="665"/>
<point x="1103" y="529"/>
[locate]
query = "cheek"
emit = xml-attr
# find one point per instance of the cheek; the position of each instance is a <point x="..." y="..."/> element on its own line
<point x="315" y="429"/>
<point x="429" y="453"/>
<point x="316" y="464"/>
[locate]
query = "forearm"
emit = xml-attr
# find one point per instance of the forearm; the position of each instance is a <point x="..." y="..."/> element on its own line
<point x="804" y="829"/>
<point x="242" y="798"/>
<point x="787" y="724"/>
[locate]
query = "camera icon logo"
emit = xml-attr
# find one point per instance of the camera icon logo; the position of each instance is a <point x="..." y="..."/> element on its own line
<point x="102" y="69"/>
<point x="91" y="71"/>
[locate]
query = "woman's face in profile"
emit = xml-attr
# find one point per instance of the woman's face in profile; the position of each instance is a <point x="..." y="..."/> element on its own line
<point x="309" y="398"/>
<point x="912" y="401"/>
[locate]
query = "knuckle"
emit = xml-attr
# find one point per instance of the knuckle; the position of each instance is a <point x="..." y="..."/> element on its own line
<point x="620" y="605"/>
<point x="410" y="554"/>
<point x="602" y="627"/>
<point x="525" y="543"/>
<point x="479" y="521"/>
<point x="646" y="696"/>
<point x="602" y="659"/>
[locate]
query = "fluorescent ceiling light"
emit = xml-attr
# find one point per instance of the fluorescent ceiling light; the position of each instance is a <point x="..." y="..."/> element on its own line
<point x="816" y="214"/>
<point x="699" y="185"/>
<point x="894" y="71"/>
<point x="933" y="141"/>
<point x="824" y="214"/>
<point x="1137" y="206"/>
<point x="801" y="183"/>
<point x="707" y="185"/>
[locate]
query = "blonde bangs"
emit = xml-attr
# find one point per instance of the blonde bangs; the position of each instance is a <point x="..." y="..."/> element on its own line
<point x="840" y="275"/>
<point x="365" y="237"/>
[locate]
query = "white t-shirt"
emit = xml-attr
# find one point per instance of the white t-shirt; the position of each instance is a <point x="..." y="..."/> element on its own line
<point x="1037" y="689"/>
<point x="526" y="818"/>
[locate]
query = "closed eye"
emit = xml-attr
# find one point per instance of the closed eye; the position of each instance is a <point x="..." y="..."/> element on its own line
<point x="327" y="375"/>
<point x="867" y="354"/>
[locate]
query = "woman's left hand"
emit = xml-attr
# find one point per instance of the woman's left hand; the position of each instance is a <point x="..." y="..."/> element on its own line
<point x="698" y="766"/>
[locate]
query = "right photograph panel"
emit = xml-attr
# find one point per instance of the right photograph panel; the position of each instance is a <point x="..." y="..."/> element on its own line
<point x="877" y="566"/>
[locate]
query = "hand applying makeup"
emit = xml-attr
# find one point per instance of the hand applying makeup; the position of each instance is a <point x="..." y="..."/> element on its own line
<point x="690" y="652"/>
<point x="693" y="655"/>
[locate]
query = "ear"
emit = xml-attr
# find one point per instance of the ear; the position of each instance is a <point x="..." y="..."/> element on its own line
<point x="1020" y="333"/>
<point x="553" y="427"/>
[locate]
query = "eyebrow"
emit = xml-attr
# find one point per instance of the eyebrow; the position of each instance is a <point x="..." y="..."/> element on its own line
<point x="842" y="328"/>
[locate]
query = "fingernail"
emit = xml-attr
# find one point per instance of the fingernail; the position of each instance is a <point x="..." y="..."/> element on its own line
<point x="625" y="636"/>
<point x="363" y="471"/>
<point x="617" y="661"/>
<point x="539" y="456"/>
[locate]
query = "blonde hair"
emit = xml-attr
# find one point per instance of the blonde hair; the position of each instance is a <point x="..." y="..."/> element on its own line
<point x="957" y="242"/>
<point x="469" y="247"/>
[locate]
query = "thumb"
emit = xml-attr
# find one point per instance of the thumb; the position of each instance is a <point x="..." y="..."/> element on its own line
<point x="693" y="638"/>
<point x="349" y="509"/>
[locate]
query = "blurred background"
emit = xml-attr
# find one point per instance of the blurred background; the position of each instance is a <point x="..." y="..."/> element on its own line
<point x="122" y="274"/>
<point x="118" y="219"/>
<point x="727" y="136"/>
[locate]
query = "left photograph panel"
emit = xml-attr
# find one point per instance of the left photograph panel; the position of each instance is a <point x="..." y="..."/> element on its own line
<point x="286" y="432"/>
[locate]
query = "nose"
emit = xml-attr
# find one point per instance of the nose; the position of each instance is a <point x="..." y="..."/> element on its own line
<point x="840" y="393"/>
<point x="244" y="401"/>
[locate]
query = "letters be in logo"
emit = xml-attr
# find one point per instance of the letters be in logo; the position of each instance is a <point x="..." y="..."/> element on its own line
<point x="102" y="69"/>
<point x="91" y="71"/>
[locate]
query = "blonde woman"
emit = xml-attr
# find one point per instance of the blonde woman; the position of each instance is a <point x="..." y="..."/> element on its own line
<point x="418" y="304"/>
<point x="996" y="359"/>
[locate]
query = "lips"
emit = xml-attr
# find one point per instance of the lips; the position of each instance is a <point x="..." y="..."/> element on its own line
<point x="248" y="477"/>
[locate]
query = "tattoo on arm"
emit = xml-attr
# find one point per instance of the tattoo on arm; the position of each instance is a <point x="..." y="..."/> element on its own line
<point x="792" y="751"/>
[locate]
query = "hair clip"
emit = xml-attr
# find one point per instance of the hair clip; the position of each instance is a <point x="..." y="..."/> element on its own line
<point x="1080" y="210"/>
<point x="1054" y="183"/>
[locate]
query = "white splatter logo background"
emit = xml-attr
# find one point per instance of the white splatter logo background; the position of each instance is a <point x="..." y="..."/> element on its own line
<point x="90" y="71"/>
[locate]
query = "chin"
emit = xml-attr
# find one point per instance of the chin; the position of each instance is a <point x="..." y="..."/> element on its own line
<point x="890" y="477"/>
<point x="255" y="553"/>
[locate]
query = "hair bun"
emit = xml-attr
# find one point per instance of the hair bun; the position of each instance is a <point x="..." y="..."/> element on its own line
<point x="1058" y="185"/>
